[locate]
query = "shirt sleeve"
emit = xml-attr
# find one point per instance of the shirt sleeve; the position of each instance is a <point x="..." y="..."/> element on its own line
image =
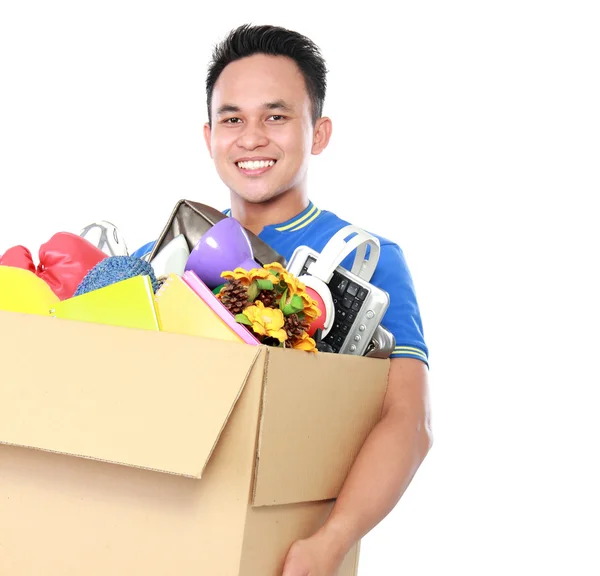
<point x="403" y="317"/>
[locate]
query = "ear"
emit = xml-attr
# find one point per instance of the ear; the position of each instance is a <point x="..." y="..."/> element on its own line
<point x="321" y="135"/>
<point x="207" y="138"/>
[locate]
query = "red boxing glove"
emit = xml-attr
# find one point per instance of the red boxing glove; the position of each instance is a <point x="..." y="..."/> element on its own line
<point x="18" y="257"/>
<point x="65" y="260"/>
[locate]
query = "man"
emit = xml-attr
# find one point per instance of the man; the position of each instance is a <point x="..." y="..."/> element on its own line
<point x="265" y="90"/>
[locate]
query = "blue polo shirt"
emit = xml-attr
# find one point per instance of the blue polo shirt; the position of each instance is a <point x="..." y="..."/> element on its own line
<point x="314" y="227"/>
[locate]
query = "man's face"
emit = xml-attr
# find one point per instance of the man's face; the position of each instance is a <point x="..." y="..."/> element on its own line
<point x="262" y="133"/>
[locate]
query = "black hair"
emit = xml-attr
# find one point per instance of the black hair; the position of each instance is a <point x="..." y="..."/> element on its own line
<point x="247" y="40"/>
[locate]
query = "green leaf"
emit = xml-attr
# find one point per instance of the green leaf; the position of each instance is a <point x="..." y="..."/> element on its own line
<point x="253" y="291"/>
<point x="264" y="284"/>
<point x="243" y="319"/>
<point x="282" y="300"/>
<point x="293" y="307"/>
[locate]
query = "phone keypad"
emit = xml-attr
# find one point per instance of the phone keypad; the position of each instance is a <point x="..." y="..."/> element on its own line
<point x="356" y="303"/>
<point x="348" y="299"/>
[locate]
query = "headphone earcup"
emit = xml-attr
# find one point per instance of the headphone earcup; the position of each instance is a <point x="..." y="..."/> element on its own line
<point x="325" y="294"/>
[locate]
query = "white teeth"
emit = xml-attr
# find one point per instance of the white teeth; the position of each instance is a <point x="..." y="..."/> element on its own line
<point x="255" y="164"/>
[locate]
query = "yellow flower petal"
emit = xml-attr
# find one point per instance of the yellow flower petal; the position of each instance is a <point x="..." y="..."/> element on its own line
<point x="281" y="335"/>
<point x="259" y="328"/>
<point x="237" y="274"/>
<point x="266" y="321"/>
<point x="258" y="273"/>
<point x="305" y="342"/>
<point x="275" y="266"/>
<point x="273" y="318"/>
<point x="311" y="309"/>
<point x="253" y="312"/>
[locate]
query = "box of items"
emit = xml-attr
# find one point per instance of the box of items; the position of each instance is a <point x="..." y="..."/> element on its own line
<point x="128" y="451"/>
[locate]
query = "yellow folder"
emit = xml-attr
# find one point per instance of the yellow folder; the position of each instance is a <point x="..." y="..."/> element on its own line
<point x="182" y="311"/>
<point x="128" y="303"/>
<point x="22" y="291"/>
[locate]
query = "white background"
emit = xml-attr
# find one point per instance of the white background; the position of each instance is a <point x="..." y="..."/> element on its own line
<point x="469" y="132"/>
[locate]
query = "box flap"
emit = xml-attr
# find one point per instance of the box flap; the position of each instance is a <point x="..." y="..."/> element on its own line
<point x="317" y="411"/>
<point x="135" y="397"/>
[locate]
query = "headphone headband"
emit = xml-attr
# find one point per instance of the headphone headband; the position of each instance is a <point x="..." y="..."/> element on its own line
<point x="338" y="248"/>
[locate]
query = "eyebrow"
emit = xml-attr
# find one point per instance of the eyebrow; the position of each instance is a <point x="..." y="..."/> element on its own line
<point x="278" y="105"/>
<point x="275" y="105"/>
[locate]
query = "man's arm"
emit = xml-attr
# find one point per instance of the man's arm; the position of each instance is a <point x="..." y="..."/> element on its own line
<point x="382" y="471"/>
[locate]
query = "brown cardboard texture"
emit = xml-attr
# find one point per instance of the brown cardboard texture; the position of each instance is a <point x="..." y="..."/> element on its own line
<point x="126" y="451"/>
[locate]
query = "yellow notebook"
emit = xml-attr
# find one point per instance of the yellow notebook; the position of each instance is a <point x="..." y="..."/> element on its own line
<point x="128" y="303"/>
<point x="22" y="291"/>
<point x="182" y="311"/>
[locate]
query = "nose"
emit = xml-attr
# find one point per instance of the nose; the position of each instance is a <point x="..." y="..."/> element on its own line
<point x="252" y="136"/>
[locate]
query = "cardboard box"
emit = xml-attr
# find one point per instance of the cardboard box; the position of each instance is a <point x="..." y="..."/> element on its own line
<point x="127" y="451"/>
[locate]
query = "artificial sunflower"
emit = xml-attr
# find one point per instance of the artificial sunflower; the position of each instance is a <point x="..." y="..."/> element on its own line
<point x="294" y="286"/>
<point x="311" y="309"/>
<point x="264" y="321"/>
<point x="272" y="303"/>
<point x="305" y="342"/>
<point x="262" y="274"/>
<point x="285" y="279"/>
<point x="275" y="267"/>
<point x="239" y="274"/>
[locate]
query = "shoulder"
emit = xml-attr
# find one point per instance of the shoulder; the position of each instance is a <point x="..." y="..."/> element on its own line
<point x="393" y="275"/>
<point x="330" y="223"/>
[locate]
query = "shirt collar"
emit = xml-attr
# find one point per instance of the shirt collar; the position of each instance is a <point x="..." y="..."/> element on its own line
<point x="308" y="215"/>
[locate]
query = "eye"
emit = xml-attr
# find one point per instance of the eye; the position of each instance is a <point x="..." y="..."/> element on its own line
<point x="231" y="121"/>
<point x="277" y="117"/>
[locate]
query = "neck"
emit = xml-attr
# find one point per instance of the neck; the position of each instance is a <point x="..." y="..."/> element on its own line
<point x="255" y="217"/>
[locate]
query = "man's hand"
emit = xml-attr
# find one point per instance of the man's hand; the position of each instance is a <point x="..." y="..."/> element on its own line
<point x="312" y="557"/>
<point x="383" y="469"/>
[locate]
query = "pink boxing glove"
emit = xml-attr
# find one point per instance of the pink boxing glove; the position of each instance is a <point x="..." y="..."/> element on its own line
<point x="18" y="257"/>
<point x="65" y="260"/>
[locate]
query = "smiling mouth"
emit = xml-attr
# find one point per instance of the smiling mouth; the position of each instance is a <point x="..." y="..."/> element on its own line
<point x="255" y="167"/>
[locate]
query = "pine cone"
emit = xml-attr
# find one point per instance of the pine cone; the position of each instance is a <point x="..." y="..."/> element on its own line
<point x="234" y="296"/>
<point x="293" y="327"/>
<point x="268" y="298"/>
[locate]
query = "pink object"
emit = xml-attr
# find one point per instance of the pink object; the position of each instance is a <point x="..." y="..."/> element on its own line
<point x="320" y="321"/>
<point x="320" y="292"/>
<point x="18" y="257"/>
<point x="204" y="292"/>
<point x="64" y="260"/>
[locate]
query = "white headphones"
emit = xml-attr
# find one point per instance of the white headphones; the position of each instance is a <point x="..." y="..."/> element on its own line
<point x="332" y="255"/>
